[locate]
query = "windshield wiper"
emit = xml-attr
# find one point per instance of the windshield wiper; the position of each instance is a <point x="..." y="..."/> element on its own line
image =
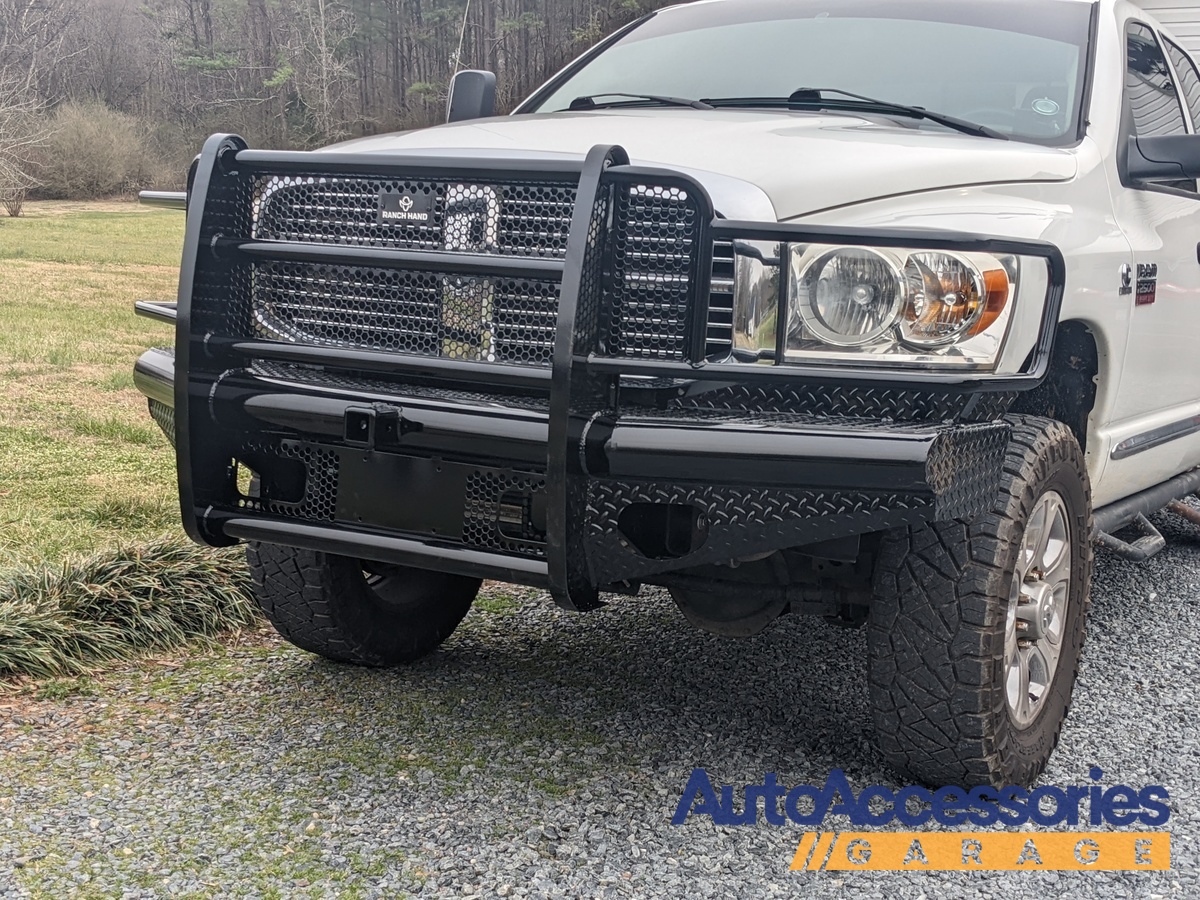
<point x="580" y="104"/>
<point x="813" y="98"/>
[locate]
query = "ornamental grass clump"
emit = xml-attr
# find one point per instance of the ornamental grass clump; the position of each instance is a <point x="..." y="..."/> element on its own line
<point x="67" y="619"/>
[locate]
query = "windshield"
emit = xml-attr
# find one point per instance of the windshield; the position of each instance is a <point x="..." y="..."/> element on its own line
<point x="1016" y="66"/>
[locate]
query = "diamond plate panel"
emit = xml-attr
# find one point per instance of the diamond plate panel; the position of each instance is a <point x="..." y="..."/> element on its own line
<point x="889" y="404"/>
<point x="740" y="522"/>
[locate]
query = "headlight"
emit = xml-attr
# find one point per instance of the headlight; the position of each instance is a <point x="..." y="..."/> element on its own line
<point x="883" y="306"/>
<point x="950" y="297"/>
<point x="848" y="297"/>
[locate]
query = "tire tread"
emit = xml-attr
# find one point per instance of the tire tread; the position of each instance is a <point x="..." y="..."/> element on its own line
<point x="936" y="634"/>
<point x="321" y="604"/>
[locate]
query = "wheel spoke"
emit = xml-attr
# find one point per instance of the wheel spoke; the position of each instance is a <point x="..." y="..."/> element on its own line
<point x="1023" y="699"/>
<point x="1057" y="538"/>
<point x="1034" y="532"/>
<point x="1013" y="679"/>
<point x="1059" y="571"/>
<point x="1049" y="652"/>
<point x="1045" y="519"/>
<point x="1012" y="654"/>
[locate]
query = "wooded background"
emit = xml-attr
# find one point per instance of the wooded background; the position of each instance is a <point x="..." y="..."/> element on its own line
<point x="103" y="96"/>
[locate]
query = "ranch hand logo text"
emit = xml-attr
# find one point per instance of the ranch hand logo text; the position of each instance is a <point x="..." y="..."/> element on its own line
<point x="1011" y="807"/>
<point x="413" y="207"/>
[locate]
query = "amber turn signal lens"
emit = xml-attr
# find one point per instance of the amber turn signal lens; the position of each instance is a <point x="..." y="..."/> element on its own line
<point x="998" y="288"/>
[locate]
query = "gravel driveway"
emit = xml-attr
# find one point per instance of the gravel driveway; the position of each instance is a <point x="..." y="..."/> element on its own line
<point x="542" y="754"/>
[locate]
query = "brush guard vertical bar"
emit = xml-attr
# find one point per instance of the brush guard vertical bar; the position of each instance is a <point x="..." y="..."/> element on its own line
<point x="583" y="400"/>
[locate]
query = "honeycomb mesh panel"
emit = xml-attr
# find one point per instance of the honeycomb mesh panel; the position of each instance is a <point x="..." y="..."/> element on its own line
<point x="648" y="276"/>
<point x="424" y="313"/>
<point x="511" y="219"/>
<point x="654" y="241"/>
<point x="486" y="490"/>
<point x="164" y="417"/>
<point x="377" y="388"/>
<point x="220" y="300"/>
<point x="588" y="313"/>
<point x="321" y="471"/>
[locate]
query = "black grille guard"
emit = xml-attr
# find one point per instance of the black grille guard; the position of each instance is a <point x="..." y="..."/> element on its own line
<point x="888" y="475"/>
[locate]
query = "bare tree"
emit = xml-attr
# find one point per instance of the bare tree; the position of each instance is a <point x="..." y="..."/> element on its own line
<point x="32" y="33"/>
<point x="323" y="79"/>
<point x="21" y="135"/>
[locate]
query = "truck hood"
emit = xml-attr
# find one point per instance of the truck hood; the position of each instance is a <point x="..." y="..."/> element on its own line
<point x="800" y="163"/>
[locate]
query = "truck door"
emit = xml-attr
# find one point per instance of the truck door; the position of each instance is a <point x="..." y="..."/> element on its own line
<point x="1156" y="422"/>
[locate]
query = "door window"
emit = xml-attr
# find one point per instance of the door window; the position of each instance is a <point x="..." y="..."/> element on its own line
<point x="1151" y="87"/>
<point x="1189" y="80"/>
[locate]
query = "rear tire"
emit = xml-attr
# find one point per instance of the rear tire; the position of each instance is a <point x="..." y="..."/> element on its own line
<point x="365" y="614"/>
<point x="977" y="627"/>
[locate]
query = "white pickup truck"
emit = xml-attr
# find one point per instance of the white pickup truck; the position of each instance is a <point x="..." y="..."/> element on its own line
<point x="881" y="311"/>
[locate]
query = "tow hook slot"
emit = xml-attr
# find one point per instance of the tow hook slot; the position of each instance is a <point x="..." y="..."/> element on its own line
<point x="375" y="427"/>
<point x="1151" y="543"/>
<point x="663" y="530"/>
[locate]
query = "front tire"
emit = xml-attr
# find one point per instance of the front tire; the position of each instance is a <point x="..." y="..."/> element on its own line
<point x="977" y="627"/>
<point x="348" y="611"/>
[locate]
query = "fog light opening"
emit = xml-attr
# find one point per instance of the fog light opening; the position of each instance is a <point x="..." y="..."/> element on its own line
<point x="269" y="479"/>
<point x="247" y="482"/>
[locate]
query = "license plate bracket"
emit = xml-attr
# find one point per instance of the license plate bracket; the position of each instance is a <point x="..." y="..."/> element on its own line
<point x="402" y="493"/>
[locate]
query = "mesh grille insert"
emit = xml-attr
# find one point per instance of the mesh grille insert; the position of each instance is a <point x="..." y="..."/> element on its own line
<point x="648" y="279"/>
<point x="653" y="243"/>
<point x="423" y="313"/>
<point x="507" y="219"/>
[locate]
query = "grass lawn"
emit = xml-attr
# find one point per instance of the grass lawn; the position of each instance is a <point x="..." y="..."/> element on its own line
<point x="82" y="466"/>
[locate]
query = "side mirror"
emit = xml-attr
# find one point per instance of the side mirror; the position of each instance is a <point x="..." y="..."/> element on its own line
<point x="1174" y="157"/>
<point x="472" y="96"/>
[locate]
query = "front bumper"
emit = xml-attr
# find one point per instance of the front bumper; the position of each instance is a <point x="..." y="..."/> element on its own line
<point x="595" y="472"/>
<point x="459" y="485"/>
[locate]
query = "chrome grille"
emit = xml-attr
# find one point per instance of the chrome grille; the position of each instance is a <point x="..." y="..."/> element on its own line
<point x="719" y="341"/>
